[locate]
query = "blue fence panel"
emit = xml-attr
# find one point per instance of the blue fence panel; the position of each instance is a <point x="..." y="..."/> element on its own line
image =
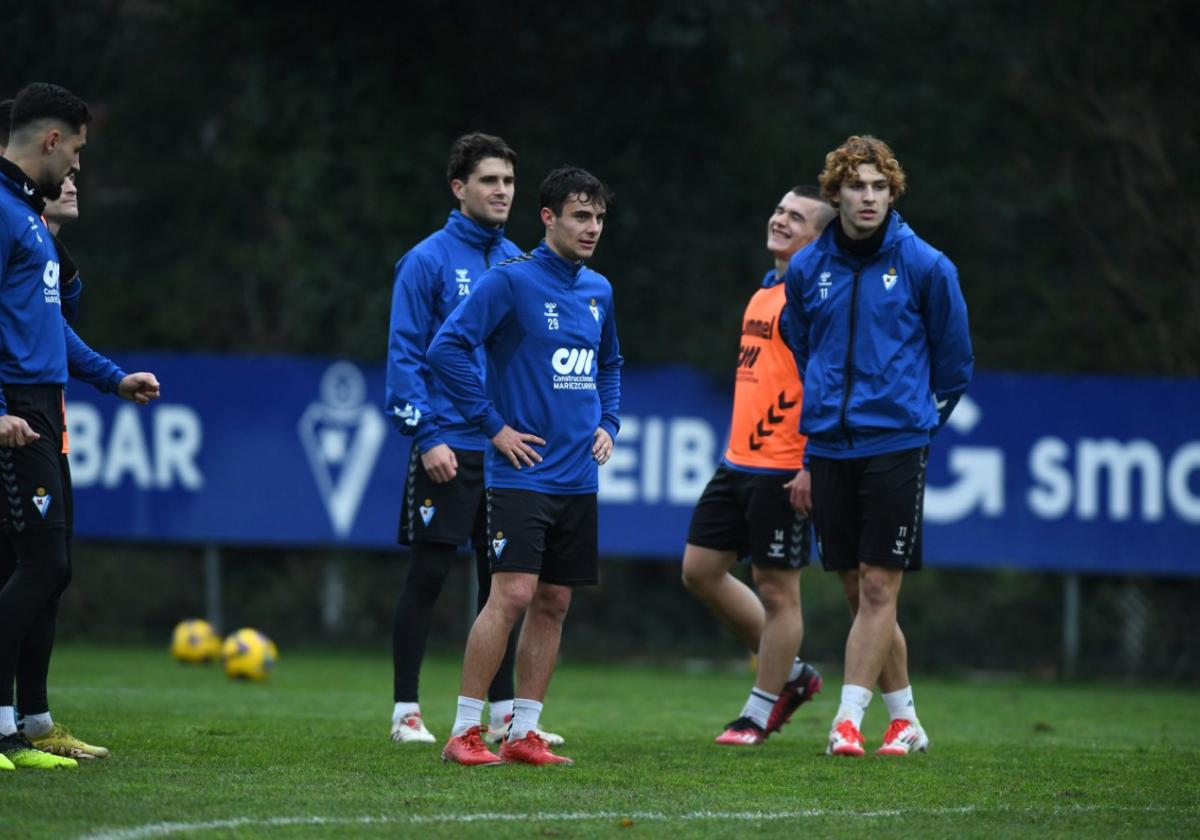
<point x="1060" y="473"/>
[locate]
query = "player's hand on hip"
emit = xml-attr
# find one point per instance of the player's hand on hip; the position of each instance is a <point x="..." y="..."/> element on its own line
<point x="439" y="462"/>
<point x="517" y="447"/>
<point x="602" y="446"/>
<point x="800" y="492"/>
<point x="139" y="388"/>
<point x="14" y="431"/>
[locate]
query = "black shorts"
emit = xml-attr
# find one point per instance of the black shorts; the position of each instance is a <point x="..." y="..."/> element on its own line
<point x="451" y="512"/>
<point x="751" y="514"/>
<point x="36" y="478"/>
<point x="868" y="510"/>
<point x="552" y="536"/>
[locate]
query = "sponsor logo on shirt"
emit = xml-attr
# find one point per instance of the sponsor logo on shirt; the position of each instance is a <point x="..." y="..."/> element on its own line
<point x="463" y="279"/>
<point x="551" y="313"/>
<point x="573" y="369"/>
<point x="50" y="278"/>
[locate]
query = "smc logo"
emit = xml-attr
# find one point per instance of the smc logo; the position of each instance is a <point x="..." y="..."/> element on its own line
<point x="567" y="360"/>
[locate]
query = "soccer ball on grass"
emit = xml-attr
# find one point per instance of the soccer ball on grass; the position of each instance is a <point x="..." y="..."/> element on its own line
<point x="249" y="655"/>
<point x="195" y="641"/>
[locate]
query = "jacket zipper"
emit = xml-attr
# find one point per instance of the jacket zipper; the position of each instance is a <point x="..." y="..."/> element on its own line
<point x="850" y="358"/>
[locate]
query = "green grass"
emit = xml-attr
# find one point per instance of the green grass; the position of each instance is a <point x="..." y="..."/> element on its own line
<point x="307" y="755"/>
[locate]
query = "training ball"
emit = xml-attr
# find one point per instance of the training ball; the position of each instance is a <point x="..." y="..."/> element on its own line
<point x="195" y="640"/>
<point x="249" y="655"/>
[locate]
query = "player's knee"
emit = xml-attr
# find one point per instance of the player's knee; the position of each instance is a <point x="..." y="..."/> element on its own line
<point x="512" y="594"/>
<point x="552" y="602"/>
<point x="699" y="576"/>
<point x="876" y="591"/>
<point x="779" y="594"/>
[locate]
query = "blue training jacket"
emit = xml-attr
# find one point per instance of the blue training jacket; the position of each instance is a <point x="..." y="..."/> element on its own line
<point x="553" y="366"/>
<point x="37" y="346"/>
<point x="881" y="342"/>
<point x="431" y="281"/>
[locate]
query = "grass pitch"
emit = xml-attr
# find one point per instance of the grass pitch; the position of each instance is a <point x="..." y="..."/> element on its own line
<point x="307" y="755"/>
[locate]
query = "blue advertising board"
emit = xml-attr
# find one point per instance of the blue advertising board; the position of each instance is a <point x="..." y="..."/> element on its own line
<point x="1058" y="473"/>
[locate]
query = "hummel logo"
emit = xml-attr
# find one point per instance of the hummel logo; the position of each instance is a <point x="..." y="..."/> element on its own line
<point x="410" y="415"/>
<point x="28" y="189"/>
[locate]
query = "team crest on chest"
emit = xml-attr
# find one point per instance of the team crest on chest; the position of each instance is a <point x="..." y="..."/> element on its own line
<point x="595" y="310"/>
<point x="890" y="279"/>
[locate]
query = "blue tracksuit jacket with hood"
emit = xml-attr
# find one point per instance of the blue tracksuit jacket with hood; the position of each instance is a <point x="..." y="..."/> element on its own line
<point x="881" y="342"/>
<point x="431" y="281"/>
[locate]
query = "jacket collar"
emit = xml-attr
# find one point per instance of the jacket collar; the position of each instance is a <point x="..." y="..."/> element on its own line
<point x="563" y="269"/>
<point x="14" y="178"/>
<point x="471" y="232"/>
<point x="897" y="229"/>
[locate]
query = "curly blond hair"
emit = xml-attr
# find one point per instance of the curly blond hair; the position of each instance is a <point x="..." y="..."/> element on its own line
<point x="842" y="164"/>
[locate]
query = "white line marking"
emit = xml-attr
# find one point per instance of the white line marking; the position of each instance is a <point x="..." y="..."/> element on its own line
<point x="166" y="829"/>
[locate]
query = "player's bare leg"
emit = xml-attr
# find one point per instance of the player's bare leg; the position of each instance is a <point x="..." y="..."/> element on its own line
<point x="706" y="575"/>
<point x="783" y="628"/>
<point x="511" y="594"/>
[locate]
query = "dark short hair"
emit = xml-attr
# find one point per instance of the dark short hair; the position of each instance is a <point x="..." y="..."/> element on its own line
<point x="567" y="181"/>
<point x="808" y="191"/>
<point x="41" y="100"/>
<point x="5" y="120"/>
<point x="467" y="151"/>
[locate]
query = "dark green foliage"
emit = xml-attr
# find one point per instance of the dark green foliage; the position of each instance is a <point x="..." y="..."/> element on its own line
<point x="254" y="172"/>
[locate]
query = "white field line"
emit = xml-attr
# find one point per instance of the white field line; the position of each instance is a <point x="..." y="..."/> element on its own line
<point x="166" y="829"/>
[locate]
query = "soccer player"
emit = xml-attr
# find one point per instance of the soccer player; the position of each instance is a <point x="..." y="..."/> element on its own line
<point x="32" y="665"/>
<point x="443" y="501"/>
<point x="756" y="505"/>
<point x="879" y="329"/>
<point x="37" y="350"/>
<point x="550" y="409"/>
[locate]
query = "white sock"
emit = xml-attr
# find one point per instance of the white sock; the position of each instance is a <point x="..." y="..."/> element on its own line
<point x="498" y="711"/>
<point x="8" y="721"/>
<point x="900" y="704"/>
<point x="36" y="726"/>
<point x="758" y="706"/>
<point x="525" y="717"/>
<point x="855" y="700"/>
<point x="797" y="667"/>
<point x="403" y="710"/>
<point x="470" y="713"/>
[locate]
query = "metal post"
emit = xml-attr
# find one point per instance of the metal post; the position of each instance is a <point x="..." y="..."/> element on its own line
<point x="1070" y="625"/>
<point x="212" y="585"/>
<point x="333" y="597"/>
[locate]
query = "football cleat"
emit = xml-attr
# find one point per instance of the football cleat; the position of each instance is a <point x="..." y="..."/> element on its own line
<point x="410" y="729"/>
<point x="742" y="732"/>
<point x="497" y="734"/>
<point x="5" y="764"/>
<point x="531" y="749"/>
<point x="468" y="750"/>
<point x="845" y="739"/>
<point x="795" y="692"/>
<point x="58" y="741"/>
<point x="20" y="753"/>
<point x="903" y="737"/>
